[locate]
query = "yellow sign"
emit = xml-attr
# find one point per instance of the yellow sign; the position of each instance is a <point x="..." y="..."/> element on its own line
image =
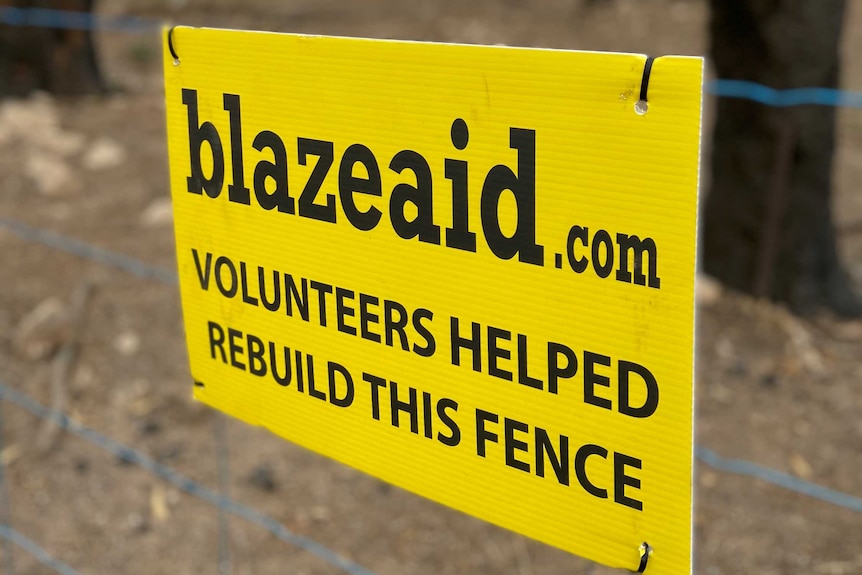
<point x="465" y="270"/>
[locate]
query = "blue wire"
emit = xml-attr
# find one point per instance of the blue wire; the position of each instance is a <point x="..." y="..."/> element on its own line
<point x="741" y="467"/>
<point x="784" y="98"/>
<point x="89" y="252"/>
<point x="70" y="20"/>
<point x="9" y="534"/>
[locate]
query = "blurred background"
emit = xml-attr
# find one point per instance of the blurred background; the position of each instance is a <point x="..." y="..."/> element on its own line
<point x="90" y="321"/>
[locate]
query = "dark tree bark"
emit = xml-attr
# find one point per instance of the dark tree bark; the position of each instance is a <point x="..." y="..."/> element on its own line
<point x="59" y="61"/>
<point x="768" y="226"/>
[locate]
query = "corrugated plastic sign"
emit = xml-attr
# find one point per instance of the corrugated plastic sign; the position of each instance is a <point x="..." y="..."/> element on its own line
<point x="465" y="270"/>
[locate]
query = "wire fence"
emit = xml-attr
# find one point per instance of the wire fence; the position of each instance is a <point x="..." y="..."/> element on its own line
<point x="69" y="20"/>
<point x="132" y="456"/>
<point x="48" y="18"/>
<point x="219" y="498"/>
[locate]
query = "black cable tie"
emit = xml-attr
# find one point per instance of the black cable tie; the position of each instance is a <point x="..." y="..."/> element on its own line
<point x="171" y="48"/>
<point x="645" y="550"/>
<point x="641" y="106"/>
<point x="645" y="79"/>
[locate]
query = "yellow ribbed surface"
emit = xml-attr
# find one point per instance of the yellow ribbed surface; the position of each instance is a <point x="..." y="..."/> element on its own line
<point x="597" y="165"/>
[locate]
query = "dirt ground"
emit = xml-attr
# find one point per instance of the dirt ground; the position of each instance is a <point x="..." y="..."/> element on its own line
<point x="770" y="388"/>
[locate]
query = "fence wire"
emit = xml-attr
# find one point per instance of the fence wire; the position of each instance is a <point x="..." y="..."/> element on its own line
<point x="728" y="88"/>
<point x="11" y="536"/>
<point x="779" y="478"/>
<point x="87" y="251"/>
<point x="71" y="20"/>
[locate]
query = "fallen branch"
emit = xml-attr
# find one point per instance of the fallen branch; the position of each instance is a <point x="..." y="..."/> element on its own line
<point x="63" y="364"/>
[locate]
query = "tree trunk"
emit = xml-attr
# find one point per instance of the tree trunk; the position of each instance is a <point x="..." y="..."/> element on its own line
<point x="768" y="226"/>
<point x="59" y="61"/>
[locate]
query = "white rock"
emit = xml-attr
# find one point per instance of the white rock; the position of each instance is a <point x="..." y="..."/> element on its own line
<point x="51" y="174"/>
<point x="160" y="212"/>
<point x="35" y="117"/>
<point x="707" y="290"/>
<point x="103" y="154"/>
<point x="64" y="143"/>
<point x="127" y="343"/>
